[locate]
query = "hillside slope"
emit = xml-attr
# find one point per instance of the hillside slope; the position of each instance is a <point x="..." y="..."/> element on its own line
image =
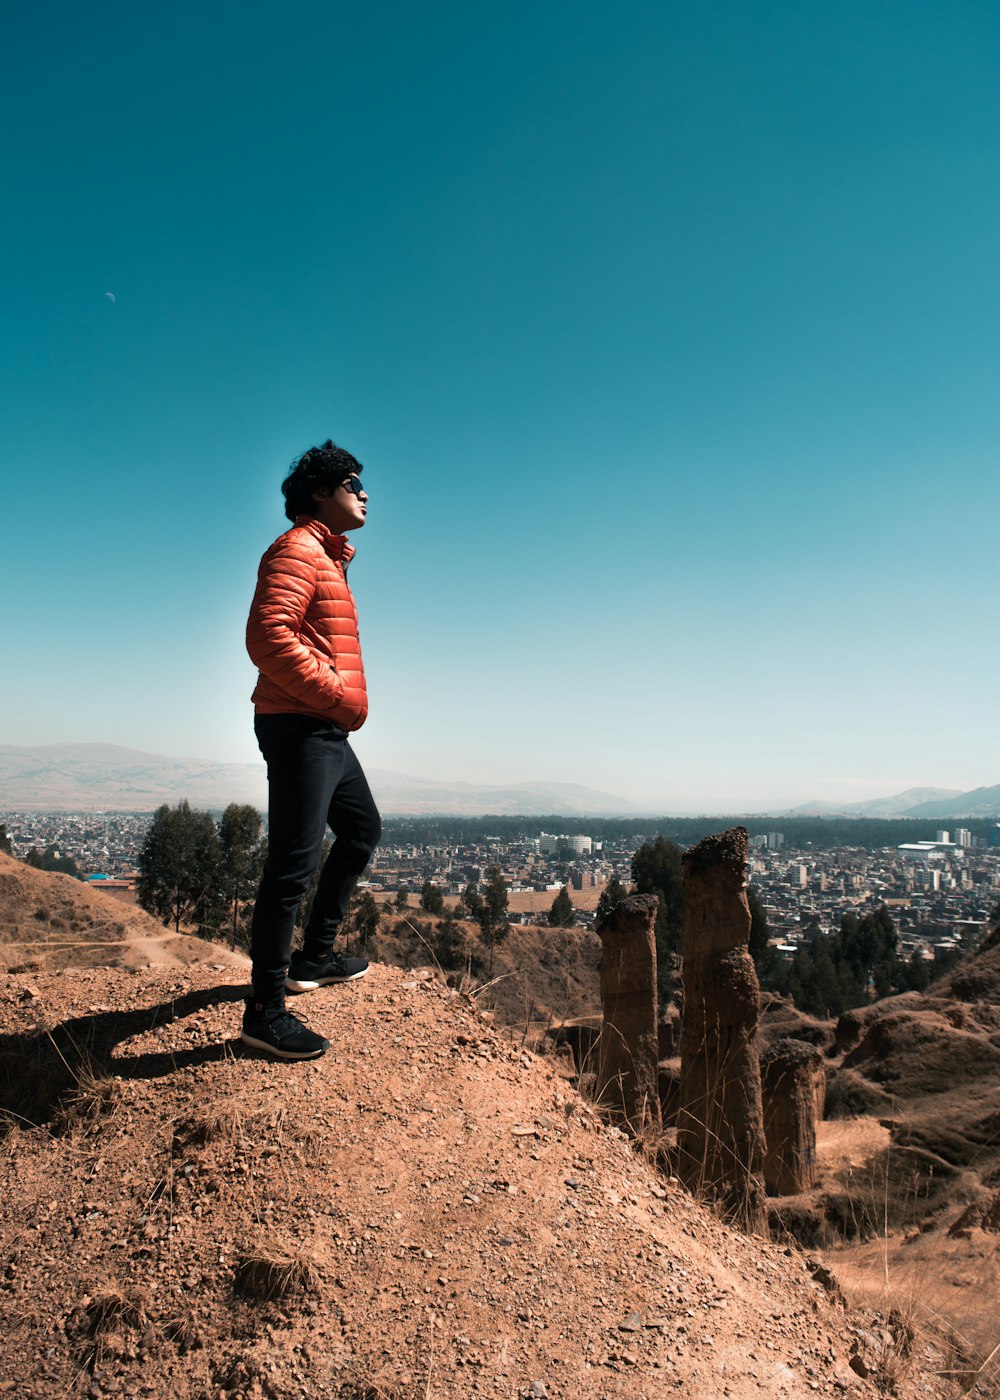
<point x="427" y="1211"/>
<point x="54" y="921"/>
<point x="934" y="1057"/>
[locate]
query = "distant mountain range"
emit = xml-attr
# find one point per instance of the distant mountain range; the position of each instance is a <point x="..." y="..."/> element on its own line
<point x="928" y="802"/>
<point x="107" y="777"/>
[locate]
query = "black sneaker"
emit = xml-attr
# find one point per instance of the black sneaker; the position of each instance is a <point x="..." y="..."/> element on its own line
<point x="306" y="976"/>
<point x="277" y="1032"/>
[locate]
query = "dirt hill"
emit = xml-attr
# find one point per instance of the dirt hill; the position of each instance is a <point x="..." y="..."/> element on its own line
<point x="907" y="1200"/>
<point x="933" y="1062"/>
<point x="428" y="1211"/>
<point x="54" y="921"/>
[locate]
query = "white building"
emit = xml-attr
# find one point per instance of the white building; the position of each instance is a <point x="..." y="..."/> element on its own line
<point x="579" y="845"/>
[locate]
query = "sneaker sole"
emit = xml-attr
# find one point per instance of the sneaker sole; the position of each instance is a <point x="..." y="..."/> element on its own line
<point x="295" y="984"/>
<point x="268" y="1049"/>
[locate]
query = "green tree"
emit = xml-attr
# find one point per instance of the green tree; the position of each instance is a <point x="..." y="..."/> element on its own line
<point x="451" y="943"/>
<point x="402" y="899"/>
<point x="53" y="859"/>
<point x="920" y="973"/>
<point x="945" y="961"/>
<point x="179" y="866"/>
<point x="656" y="869"/>
<point x="561" y="913"/>
<point x="241" y="860"/>
<point x="472" y="900"/>
<point x="492" y="916"/>
<point x="431" y="898"/>
<point x="612" y="895"/>
<point x="831" y="973"/>
<point x="365" y="916"/>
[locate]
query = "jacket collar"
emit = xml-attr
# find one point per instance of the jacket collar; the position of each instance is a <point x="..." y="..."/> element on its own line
<point x="337" y="546"/>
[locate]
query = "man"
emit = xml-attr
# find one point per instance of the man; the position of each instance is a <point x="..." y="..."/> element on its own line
<point x="302" y="634"/>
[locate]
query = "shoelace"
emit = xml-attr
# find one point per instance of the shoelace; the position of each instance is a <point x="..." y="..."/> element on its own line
<point x="285" y="1024"/>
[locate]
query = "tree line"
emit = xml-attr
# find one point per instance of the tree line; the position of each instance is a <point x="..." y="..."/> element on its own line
<point x="202" y="872"/>
<point x="801" y="833"/>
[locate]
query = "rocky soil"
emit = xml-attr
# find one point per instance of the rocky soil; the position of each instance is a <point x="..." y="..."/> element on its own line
<point x="428" y="1211"/>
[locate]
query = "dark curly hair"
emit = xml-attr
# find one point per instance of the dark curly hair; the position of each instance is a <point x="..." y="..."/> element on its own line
<point x="318" y="469"/>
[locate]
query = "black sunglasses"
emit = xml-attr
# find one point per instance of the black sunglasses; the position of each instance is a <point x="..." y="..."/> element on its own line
<point x="353" y="484"/>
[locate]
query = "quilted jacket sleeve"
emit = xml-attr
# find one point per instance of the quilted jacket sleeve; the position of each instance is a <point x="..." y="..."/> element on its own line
<point x="285" y="586"/>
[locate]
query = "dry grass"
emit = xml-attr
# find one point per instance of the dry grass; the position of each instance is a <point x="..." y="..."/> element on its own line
<point x="919" y="1296"/>
<point x="224" y="1123"/>
<point x="93" y="1100"/>
<point x="112" y="1309"/>
<point x="272" y="1272"/>
<point x="109" y="1314"/>
<point x="182" y="1331"/>
<point x="918" y="1282"/>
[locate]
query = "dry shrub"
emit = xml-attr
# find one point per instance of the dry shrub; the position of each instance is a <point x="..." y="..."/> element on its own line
<point x="271" y="1273"/>
<point x="970" y="1363"/>
<point x="222" y="1124"/>
<point x="893" y="1351"/>
<point x="112" y="1309"/>
<point x="93" y="1098"/>
<point x="183" y="1333"/>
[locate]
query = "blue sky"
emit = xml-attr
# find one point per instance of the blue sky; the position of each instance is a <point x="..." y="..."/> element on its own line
<point x="668" y="335"/>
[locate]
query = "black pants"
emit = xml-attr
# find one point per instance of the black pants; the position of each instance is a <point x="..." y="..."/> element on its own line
<point x="314" y="781"/>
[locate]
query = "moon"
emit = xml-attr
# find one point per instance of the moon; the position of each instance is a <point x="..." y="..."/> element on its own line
<point x="110" y="296"/>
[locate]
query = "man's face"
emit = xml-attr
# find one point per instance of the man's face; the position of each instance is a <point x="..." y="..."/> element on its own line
<point x="343" y="507"/>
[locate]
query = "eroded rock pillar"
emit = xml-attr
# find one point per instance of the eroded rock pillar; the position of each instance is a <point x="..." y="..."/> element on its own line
<point x="793" y="1078"/>
<point x="628" y="1045"/>
<point x="720" y="1128"/>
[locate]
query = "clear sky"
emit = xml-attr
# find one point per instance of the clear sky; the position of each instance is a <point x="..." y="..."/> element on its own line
<point x="668" y="334"/>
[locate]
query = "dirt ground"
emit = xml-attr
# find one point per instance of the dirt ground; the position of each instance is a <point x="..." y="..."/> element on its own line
<point x="428" y="1211"/>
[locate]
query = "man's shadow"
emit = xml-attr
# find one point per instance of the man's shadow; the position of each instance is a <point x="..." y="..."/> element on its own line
<point x="40" y="1067"/>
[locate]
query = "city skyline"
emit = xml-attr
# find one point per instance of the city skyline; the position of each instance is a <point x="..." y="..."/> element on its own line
<point x="668" y="341"/>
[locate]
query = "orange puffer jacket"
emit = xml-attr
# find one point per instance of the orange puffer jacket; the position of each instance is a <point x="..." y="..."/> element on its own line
<point x="302" y="633"/>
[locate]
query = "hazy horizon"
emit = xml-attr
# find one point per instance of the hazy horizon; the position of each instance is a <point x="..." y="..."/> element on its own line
<point x="247" y="783"/>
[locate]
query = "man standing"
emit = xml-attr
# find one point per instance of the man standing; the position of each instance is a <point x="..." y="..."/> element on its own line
<point x="302" y="635"/>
